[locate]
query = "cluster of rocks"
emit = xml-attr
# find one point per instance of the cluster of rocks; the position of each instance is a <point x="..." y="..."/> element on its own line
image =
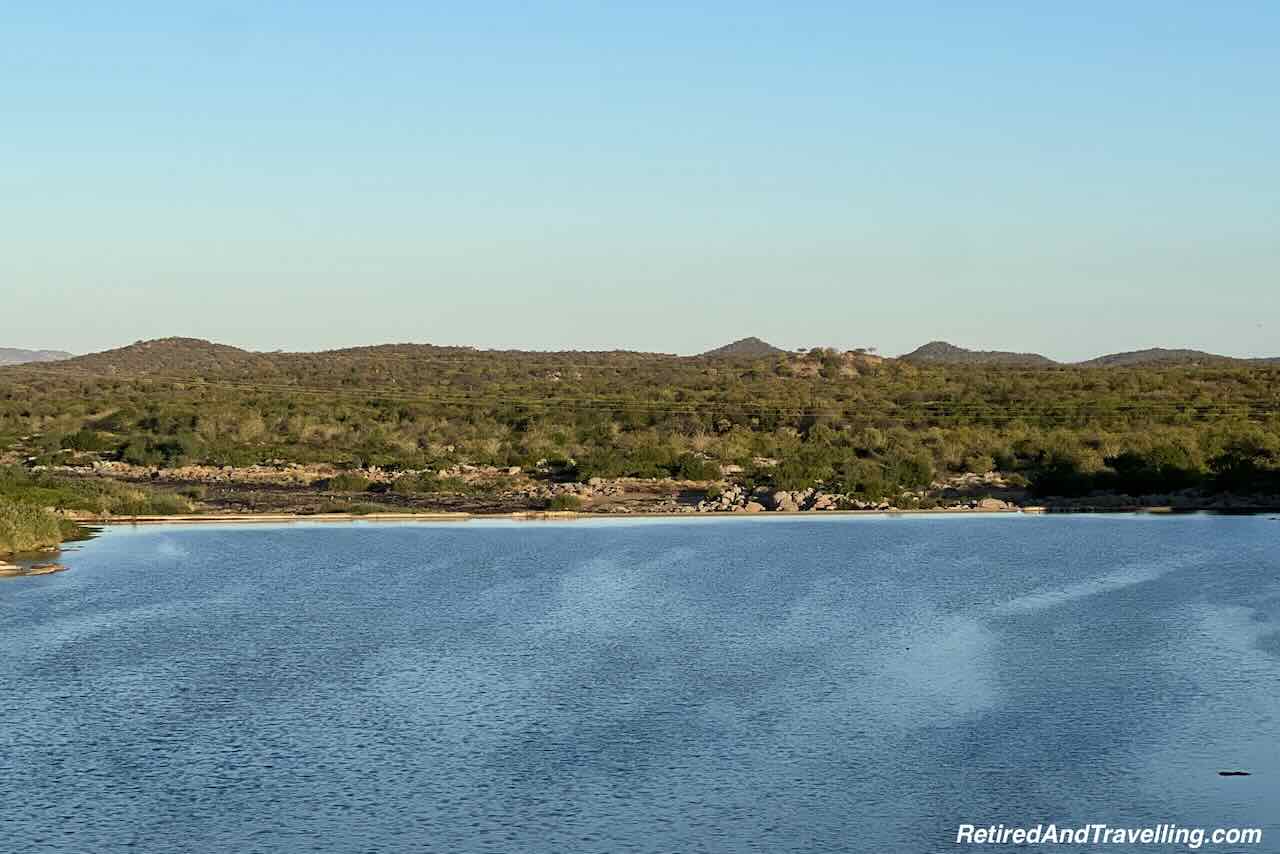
<point x="731" y="498"/>
<point x="991" y="492"/>
<point x="991" y="504"/>
<point x="970" y="480"/>
<point x="280" y="474"/>
<point x="737" y="499"/>
<point x="471" y="474"/>
<point x="596" y="487"/>
<point x="277" y="473"/>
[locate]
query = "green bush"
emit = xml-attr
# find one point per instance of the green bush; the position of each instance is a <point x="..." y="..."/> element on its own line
<point x="980" y="464"/>
<point x="155" y="504"/>
<point x="347" y="482"/>
<point x="564" y="502"/>
<point x="910" y="471"/>
<point x="89" y="495"/>
<point x="1064" y="478"/>
<point x="1248" y="462"/>
<point x="414" y="484"/>
<point x="85" y="440"/>
<point x="862" y="478"/>
<point x="691" y="467"/>
<point x="1164" y="468"/>
<point x="26" y="527"/>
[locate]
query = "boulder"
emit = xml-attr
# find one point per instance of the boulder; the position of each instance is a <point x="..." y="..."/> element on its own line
<point x="823" y="501"/>
<point x="753" y="507"/>
<point x="785" y="502"/>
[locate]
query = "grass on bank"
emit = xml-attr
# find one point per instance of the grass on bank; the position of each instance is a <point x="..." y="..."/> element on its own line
<point x="88" y="495"/>
<point x="27" y="528"/>
<point x="29" y="502"/>
<point x="564" y="502"/>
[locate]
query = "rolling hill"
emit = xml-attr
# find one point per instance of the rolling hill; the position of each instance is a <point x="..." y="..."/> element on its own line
<point x="177" y="356"/>
<point x="414" y="363"/>
<point x="14" y="356"/>
<point x="1158" y="356"/>
<point x="870" y="423"/>
<point x="943" y="353"/>
<point x="751" y="347"/>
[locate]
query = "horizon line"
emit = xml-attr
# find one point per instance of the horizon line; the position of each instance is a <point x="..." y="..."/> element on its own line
<point x="871" y="350"/>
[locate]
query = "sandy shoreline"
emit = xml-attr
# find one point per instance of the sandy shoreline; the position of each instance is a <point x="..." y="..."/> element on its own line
<point x="569" y="515"/>
<point x="519" y="515"/>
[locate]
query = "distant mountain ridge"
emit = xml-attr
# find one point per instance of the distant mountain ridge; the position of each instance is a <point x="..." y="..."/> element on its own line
<point x="941" y="352"/>
<point x="1160" y="356"/>
<point x="169" y="355"/>
<point x="744" y="347"/>
<point x="193" y="357"/>
<point x="16" y="356"/>
<point x="944" y="353"/>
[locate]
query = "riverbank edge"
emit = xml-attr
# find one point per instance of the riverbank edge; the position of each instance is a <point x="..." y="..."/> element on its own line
<point x="29" y="564"/>
<point x="570" y="515"/>
<point x="36" y="566"/>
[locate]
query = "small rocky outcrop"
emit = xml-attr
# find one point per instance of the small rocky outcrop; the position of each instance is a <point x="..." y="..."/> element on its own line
<point x="783" y="502"/>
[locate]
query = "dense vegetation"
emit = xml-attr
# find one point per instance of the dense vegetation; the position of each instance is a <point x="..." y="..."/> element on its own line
<point x="31" y="504"/>
<point x="98" y="496"/>
<point x="25" y="527"/>
<point x="851" y="421"/>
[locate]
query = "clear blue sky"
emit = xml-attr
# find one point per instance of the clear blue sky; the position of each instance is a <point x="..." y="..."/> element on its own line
<point x="1072" y="178"/>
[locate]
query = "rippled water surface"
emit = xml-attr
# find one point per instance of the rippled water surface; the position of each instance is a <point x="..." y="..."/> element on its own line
<point x="660" y="686"/>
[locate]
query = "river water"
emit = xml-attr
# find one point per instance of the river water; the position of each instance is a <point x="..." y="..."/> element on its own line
<point x="779" y="685"/>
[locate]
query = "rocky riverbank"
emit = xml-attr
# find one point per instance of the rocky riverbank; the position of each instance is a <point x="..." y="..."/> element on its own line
<point x="317" y="489"/>
<point x="13" y="570"/>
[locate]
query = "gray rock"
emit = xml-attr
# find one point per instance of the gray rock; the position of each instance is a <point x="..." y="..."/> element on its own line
<point x="786" y="503"/>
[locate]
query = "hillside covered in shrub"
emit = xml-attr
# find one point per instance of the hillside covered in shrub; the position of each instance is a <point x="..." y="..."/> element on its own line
<point x="848" y="420"/>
